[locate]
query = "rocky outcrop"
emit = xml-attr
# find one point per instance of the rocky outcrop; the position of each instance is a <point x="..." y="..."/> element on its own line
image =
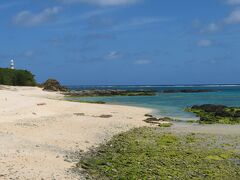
<point x="187" y="91"/>
<point x="162" y="122"/>
<point x="209" y="107"/>
<point x="53" y="85"/>
<point x="210" y="113"/>
<point x="93" y="93"/>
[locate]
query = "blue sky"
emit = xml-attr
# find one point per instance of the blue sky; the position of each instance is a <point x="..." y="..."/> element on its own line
<point x="123" y="41"/>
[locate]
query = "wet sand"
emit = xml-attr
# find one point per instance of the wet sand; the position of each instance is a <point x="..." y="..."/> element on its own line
<point x="218" y="129"/>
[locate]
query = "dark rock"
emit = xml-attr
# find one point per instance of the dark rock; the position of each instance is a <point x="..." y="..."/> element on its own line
<point x="210" y="113"/>
<point x="152" y="120"/>
<point x="204" y="119"/>
<point x="237" y="114"/>
<point x="222" y="113"/>
<point x="165" y="119"/>
<point x="92" y="93"/>
<point x="187" y="91"/>
<point x="148" y="115"/>
<point x="210" y="107"/>
<point x="158" y="122"/>
<point x="53" y="85"/>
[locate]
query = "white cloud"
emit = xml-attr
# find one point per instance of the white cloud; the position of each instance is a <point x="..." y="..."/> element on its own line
<point x="84" y="16"/>
<point x="233" y="2"/>
<point x="113" y="55"/>
<point x="94" y="13"/>
<point x="210" y="28"/>
<point x="27" y="18"/>
<point x="139" y="22"/>
<point x="102" y="2"/>
<point x="142" y="62"/>
<point x="204" y="43"/>
<point x="147" y="20"/>
<point x="233" y="18"/>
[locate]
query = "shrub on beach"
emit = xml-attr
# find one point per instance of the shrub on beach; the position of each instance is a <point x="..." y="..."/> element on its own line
<point x="14" y="77"/>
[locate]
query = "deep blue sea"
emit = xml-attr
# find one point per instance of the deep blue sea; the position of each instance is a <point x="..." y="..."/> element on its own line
<point x="173" y="104"/>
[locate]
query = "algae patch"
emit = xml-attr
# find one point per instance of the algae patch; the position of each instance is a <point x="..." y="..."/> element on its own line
<point x="220" y="114"/>
<point x="152" y="153"/>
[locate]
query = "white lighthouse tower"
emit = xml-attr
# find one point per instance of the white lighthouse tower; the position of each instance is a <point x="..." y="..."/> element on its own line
<point x="12" y="64"/>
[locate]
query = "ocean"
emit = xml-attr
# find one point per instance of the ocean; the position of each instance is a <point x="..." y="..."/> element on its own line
<point x="173" y="104"/>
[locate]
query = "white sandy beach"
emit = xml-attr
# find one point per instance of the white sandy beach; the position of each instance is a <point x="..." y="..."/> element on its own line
<point x="37" y="131"/>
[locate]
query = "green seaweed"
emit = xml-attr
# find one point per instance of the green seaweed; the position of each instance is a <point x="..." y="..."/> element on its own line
<point x="148" y="153"/>
<point x="165" y="125"/>
<point x="227" y="115"/>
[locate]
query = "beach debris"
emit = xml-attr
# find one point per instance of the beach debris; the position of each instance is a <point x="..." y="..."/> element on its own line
<point x="79" y="114"/>
<point x="26" y="124"/>
<point x="41" y="104"/>
<point x="105" y="116"/>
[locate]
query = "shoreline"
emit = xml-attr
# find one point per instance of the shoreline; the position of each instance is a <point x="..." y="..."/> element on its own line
<point x="39" y="129"/>
<point x="154" y="111"/>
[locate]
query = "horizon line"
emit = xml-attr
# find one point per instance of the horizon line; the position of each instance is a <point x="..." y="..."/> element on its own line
<point x="224" y="84"/>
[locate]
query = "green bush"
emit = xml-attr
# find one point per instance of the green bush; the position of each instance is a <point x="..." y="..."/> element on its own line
<point x="14" y="77"/>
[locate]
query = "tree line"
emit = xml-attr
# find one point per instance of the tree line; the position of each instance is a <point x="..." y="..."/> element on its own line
<point x="15" y="77"/>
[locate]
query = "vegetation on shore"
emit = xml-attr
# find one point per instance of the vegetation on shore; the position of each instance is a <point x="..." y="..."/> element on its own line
<point x="152" y="153"/>
<point x="210" y="114"/>
<point x="13" y="77"/>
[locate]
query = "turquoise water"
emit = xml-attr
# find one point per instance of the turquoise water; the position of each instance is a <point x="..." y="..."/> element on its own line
<point x="171" y="105"/>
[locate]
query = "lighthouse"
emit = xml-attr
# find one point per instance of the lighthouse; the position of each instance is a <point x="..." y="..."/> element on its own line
<point x="12" y="64"/>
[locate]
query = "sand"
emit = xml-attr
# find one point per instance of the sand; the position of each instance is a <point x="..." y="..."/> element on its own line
<point x="39" y="129"/>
